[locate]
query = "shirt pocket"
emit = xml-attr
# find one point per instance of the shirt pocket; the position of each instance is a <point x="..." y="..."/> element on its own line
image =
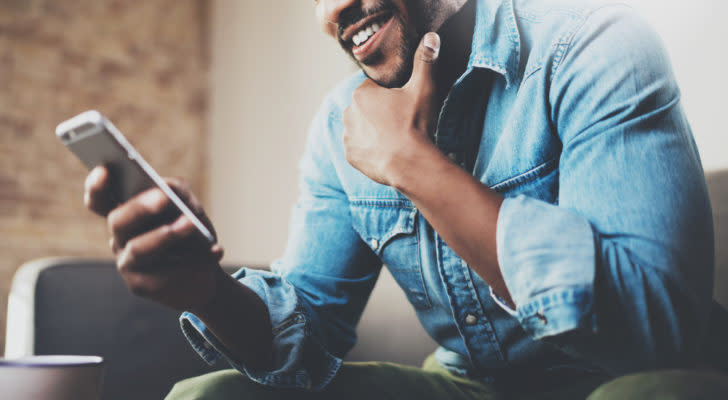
<point x="540" y="182"/>
<point x="388" y="227"/>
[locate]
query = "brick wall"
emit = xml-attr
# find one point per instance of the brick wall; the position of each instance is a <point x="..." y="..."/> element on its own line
<point x="142" y="63"/>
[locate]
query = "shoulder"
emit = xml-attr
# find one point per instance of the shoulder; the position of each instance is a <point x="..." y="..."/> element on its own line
<point x="551" y="30"/>
<point x="326" y="125"/>
<point x="324" y="147"/>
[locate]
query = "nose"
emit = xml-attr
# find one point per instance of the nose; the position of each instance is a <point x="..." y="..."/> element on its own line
<point x="329" y="11"/>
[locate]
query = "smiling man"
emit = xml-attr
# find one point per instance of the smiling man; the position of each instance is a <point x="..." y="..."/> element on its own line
<point x="527" y="175"/>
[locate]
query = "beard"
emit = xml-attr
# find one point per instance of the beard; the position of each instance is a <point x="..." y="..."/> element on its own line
<point x="411" y="27"/>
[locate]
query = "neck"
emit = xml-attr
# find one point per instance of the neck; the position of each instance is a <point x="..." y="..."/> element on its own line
<point x="456" y="36"/>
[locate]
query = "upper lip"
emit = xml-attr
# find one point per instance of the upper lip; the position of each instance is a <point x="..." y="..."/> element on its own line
<point x="353" y="29"/>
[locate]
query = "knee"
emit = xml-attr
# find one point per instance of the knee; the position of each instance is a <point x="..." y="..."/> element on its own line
<point x="227" y="384"/>
<point x="669" y="385"/>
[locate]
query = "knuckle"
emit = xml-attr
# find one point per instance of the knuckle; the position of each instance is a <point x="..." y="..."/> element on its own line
<point x="137" y="285"/>
<point x="160" y="202"/>
<point x="113" y="221"/>
<point x="131" y="253"/>
<point x="122" y="265"/>
<point x="169" y="234"/>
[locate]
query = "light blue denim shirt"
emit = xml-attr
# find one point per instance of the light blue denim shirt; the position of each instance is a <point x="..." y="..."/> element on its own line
<point x="605" y="238"/>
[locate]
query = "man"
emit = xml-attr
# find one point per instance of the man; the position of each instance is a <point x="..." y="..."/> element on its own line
<point x="527" y="175"/>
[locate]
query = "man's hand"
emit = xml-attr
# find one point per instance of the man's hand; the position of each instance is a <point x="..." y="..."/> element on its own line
<point x="163" y="257"/>
<point x="383" y="126"/>
<point x="159" y="253"/>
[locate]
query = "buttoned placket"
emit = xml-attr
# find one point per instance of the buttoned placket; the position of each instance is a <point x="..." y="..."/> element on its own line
<point x="471" y="319"/>
<point x="456" y="133"/>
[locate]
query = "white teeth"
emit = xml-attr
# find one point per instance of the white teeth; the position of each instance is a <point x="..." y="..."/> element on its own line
<point x="364" y="34"/>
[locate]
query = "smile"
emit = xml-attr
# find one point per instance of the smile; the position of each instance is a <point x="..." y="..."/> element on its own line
<point x="368" y="31"/>
<point x="364" y="39"/>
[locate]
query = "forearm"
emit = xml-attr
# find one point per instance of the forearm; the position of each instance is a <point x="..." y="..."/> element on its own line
<point x="239" y="319"/>
<point x="461" y="209"/>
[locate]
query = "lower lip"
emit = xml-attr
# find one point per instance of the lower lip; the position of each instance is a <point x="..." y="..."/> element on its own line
<point x="364" y="50"/>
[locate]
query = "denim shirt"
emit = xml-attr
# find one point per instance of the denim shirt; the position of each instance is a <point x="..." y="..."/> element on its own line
<point x="605" y="238"/>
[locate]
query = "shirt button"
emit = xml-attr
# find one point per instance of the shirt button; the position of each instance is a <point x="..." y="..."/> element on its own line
<point x="374" y="243"/>
<point x="470" y="319"/>
<point x="453" y="157"/>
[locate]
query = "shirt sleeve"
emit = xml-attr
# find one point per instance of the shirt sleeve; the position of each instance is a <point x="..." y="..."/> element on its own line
<point x="620" y="271"/>
<point x="317" y="291"/>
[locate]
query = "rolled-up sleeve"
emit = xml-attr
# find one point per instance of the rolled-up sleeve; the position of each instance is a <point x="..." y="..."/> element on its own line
<point x="317" y="291"/>
<point x="619" y="271"/>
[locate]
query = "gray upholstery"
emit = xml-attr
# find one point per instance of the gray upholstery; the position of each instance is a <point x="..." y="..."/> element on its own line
<point x="83" y="307"/>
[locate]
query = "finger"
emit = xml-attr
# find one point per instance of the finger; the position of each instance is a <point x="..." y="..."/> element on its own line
<point x="97" y="195"/>
<point x="426" y="55"/>
<point x="218" y="252"/>
<point x="182" y="189"/>
<point x="114" y="247"/>
<point x="176" y="241"/>
<point x="142" y="213"/>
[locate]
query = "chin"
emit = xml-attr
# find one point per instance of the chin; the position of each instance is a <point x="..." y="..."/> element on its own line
<point x="389" y="76"/>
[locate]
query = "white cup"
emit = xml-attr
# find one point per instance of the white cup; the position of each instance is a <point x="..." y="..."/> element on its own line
<point x="51" y="378"/>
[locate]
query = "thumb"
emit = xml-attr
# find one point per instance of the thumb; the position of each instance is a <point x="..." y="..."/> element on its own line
<point x="423" y="70"/>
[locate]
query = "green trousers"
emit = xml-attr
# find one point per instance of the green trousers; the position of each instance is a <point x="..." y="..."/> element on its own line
<point x="376" y="380"/>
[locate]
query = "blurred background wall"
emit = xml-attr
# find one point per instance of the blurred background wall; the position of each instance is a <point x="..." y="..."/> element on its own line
<point x="142" y="63"/>
<point x="145" y="64"/>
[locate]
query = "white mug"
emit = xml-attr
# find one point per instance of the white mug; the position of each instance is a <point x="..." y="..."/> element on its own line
<point x="51" y="378"/>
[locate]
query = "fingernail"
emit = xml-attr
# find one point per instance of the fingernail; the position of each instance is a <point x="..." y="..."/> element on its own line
<point x="94" y="177"/>
<point x="432" y="41"/>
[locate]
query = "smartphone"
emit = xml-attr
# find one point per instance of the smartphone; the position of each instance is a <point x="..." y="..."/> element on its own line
<point x="96" y="141"/>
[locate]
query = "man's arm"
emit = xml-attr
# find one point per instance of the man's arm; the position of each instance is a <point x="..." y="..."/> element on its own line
<point x="620" y="271"/>
<point x="288" y="327"/>
<point x="163" y="259"/>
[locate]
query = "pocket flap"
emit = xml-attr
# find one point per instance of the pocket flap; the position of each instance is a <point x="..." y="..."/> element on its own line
<point x="378" y="221"/>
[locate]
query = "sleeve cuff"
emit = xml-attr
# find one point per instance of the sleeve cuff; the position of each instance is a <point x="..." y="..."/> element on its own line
<point x="300" y="360"/>
<point x="547" y="258"/>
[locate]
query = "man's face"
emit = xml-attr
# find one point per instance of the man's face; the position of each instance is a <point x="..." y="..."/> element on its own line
<point x="381" y="35"/>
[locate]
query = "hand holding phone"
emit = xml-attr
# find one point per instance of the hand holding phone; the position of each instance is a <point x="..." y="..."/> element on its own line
<point x="97" y="142"/>
<point x="164" y="244"/>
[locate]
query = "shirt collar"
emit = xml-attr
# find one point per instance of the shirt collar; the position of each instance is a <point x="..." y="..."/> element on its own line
<point x="496" y="41"/>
